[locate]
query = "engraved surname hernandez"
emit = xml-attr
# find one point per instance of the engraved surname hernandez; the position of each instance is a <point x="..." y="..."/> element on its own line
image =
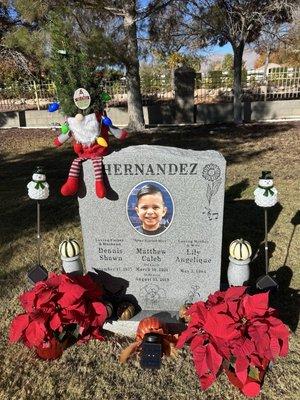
<point x="152" y="169"/>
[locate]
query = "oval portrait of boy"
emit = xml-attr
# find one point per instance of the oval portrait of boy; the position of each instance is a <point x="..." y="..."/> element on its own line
<point x="150" y="208"/>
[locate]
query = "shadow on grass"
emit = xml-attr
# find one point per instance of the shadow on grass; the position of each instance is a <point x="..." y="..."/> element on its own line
<point x="286" y="300"/>
<point x="222" y="138"/>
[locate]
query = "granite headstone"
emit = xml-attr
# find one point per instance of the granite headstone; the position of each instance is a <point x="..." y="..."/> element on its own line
<point x="178" y="262"/>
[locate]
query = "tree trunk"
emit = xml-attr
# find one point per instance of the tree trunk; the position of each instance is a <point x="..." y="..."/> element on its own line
<point x="134" y="97"/>
<point x="237" y="83"/>
<point x="266" y="64"/>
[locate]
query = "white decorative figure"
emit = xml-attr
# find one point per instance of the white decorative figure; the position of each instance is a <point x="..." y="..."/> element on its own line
<point x="265" y="195"/>
<point x="38" y="188"/>
<point x="238" y="270"/>
<point x="69" y="252"/>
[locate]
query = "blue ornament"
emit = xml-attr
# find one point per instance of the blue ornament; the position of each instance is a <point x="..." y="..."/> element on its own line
<point x="53" y="107"/>
<point x="106" y="121"/>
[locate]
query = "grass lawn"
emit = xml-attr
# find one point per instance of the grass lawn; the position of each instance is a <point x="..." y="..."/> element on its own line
<point x="92" y="371"/>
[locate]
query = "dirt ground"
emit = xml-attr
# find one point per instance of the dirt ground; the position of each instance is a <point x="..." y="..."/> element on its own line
<point x="91" y="371"/>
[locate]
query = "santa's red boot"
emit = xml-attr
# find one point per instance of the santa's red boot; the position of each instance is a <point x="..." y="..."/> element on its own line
<point x="70" y="188"/>
<point x="100" y="189"/>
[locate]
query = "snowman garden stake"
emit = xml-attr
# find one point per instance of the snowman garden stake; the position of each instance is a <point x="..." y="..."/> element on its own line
<point x="265" y="195"/>
<point x="38" y="189"/>
<point x="90" y="133"/>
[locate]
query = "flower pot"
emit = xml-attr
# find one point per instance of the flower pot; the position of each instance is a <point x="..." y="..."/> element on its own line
<point x="72" y="265"/>
<point x="53" y="351"/>
<point x="238" y="271"/>
<point x="251" y="388"/>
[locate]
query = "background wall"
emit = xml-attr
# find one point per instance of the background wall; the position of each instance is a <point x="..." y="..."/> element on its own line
<point x="164" y="113"/>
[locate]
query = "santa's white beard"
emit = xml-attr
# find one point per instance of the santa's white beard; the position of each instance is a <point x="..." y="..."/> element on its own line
<point x="85" y="131"/>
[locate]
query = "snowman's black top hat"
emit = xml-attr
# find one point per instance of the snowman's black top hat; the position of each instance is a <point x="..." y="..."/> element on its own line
<point x="39" y="170"/>
<point x="266" y="175"/>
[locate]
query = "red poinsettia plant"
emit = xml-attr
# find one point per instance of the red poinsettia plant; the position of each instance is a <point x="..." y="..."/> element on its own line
<point x="237" y="332"/>
<point x="58" y="307"/>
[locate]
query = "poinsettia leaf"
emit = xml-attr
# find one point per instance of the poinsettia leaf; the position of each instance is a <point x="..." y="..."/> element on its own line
<point x="35" y="332"/>
<point x="27" y="300"/>
<point x="54" y="280"/>
<point x="279" y="330"/>
<point x="233" y="307"/>
<point x="98" y="320"/>
<point x="220" y="325"/>
<point x="197" y="341"/>
<point x="256" y="305"/>
<point x="243" y="347"/>
<point x="44" y="297"/>
<point x="215" y="298"/>
<point x="254" y="373"/>
<point x="284" y="347"/>
<point x="198" y="313"/>
<point x="93" y="290"/>
<point x="207" y="380"/>
<point x="185" y="336"/>
<point x="223" y="347"/>
<point x="71" y="296"/>
<point x="213" y="358"/>
<point x="235" y="292"/>
<point x="199" y="357"/>
<point x="18" y="326"/>
<point x="99" y="308"/>
<point x="274" y="347"/>
<point x="55" y="322"/>
<point x="81" y="307"/>
<point x="255" y="360"/>
<point x="257" y="330"/>
<point x="241" y="368"/>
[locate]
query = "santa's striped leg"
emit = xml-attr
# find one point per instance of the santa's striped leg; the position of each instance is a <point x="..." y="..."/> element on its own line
<point x="71" y="185"/>
<point x="99" y="184"/>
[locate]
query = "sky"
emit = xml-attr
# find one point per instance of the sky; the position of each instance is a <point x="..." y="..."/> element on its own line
<point x="215" y="53"/>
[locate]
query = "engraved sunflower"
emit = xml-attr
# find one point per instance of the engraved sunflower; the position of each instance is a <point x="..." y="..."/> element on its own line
<point x="211" y="172"/>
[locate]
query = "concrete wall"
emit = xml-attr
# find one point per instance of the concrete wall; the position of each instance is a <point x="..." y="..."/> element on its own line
<point x="266" y="110"/>
<point x="253" y="111"/>
<point x="164" y="113"/>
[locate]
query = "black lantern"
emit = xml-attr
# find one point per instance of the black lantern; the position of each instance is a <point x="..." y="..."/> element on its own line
<point x="152" y="351"/>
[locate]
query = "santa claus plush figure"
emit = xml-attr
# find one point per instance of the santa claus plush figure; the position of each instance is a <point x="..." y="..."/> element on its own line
<point x="90" y="134"/>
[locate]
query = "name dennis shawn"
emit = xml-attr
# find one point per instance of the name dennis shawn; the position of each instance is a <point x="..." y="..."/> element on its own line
<point x="151" y="169"/>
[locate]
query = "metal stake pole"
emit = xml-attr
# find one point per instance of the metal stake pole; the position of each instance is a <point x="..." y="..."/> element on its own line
<point x="266" y="241"/>
<point x="38" y="233"/>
